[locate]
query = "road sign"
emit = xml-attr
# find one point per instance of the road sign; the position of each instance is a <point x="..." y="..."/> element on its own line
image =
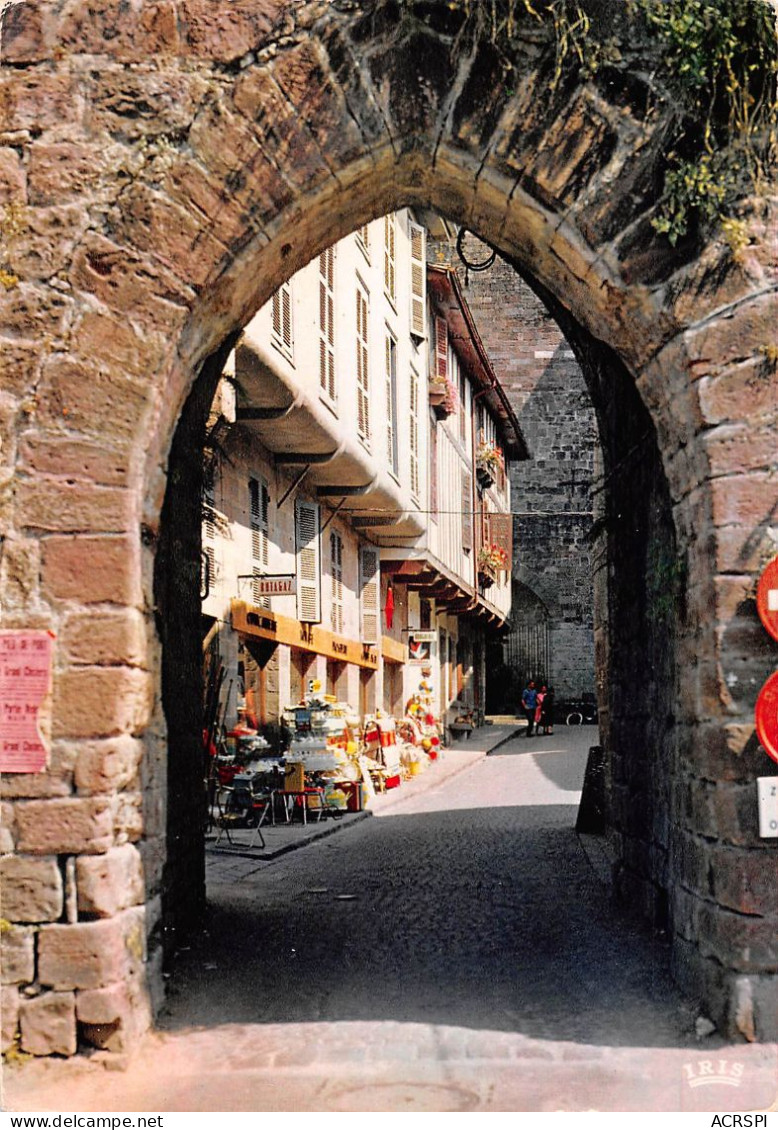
<point x="768" y="806"/>
<point x="767" y="716"/>
<point x="767" y="598"/>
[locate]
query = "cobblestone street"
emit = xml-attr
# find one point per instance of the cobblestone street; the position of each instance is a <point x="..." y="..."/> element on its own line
<point x="457" y="951"/>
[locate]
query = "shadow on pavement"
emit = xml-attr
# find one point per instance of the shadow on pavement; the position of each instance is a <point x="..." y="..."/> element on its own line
<point x="487" y="918"/>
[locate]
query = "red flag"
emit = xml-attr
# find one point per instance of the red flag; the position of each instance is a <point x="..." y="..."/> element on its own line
<point x="389" y="607"/>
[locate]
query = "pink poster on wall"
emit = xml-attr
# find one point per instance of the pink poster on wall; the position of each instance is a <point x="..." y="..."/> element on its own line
<point x="25" y="679"/>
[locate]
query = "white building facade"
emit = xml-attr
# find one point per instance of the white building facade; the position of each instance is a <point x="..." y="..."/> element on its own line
<point x="347" y="532"/>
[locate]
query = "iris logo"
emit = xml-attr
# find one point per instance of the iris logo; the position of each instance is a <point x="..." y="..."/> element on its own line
<point x="713" y="1073"/>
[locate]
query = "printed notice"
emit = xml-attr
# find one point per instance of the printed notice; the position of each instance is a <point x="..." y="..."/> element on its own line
<point x="25" y="678"/>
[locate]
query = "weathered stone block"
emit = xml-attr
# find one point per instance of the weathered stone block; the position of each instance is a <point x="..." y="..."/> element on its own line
<point x="26" y="307"/>
<point x="741" y="942"/>
<point x="722" y="398"/>
<point x="6" y="828"/>
<point x="130" y="820"/>
<point x="64" y="825"/>
<point x="17" y="955"/>
<point x="143" y="101"/>
<point x="48" y="239"/>
<point x="101" y="702"/>
<point x="110" y="564"/>
<point x="32" y="889"/>
<point x="13" y="185"/>
<point x="215" y="33"/>
<point x="107" y="766"/>
<point x="109" y="883"/>
<point x="117" y="347"/>
<point x="56" y="781"/>
<point x="50" y="504"/>
<point x="105" y="638"/>
<point x="107" y="1017"/>
<point x="77" y="459"/>
<point x="63" y="170"/>
<point x="746" y="881"/>
<point x="89" y="955"/>
<point x="48" y="1024"/>
<point x="126" y="281"/>
<point x="146" y="31"/>
<point x="173" y="235"/>
<point x="9" y="1014"/>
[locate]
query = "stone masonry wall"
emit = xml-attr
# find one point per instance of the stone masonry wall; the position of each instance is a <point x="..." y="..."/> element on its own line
<point x="163" y="168"/>
<point x="551" y="493"/>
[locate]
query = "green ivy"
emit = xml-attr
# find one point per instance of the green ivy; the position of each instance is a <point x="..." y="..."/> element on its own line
<point x="714" y="62"/>
<point x="720" y="58"/>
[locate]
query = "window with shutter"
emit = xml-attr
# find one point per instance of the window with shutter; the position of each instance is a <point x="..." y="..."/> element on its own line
<point x="336" y="578"/>
<point x="462" y="409"/>
<point x="434" y="473"/>
<point x="281" y="320"/>
<point x="418" y="281"/>
<point x="413" y="432"/>
<point x="390" y="372"/>
<point x="308" y="562"/>
<point x="390" y="234"/>
<point x="467" y="511"/>
<point x="209" y="523"/>
<point x="441" y="349"/>
<point x="363" y="367"/>
<point x="259" y="505"/>
<point x="327" y="323"/>
<point x="369" y="577"/>
<point x="363" y="240"/>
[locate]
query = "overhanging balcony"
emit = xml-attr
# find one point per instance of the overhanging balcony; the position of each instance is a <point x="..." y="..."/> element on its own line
<point x="292" y="421"/>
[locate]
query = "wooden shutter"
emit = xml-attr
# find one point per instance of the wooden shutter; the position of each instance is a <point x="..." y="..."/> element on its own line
<point x="282" y="317"/>
<point x="363" y="370"/>
<point x="467" y="510"/>
<point x="209" y="525"/>
<point x="434" y="473"/>
<point x="389" y="255"/>
<point x="369" y="577"/>
<point x="441" y="349"/>
<point x="308" y="562"/>
<point x="258" y="500"/>
<point x="336" y="577"/>
<point x="414" y="432"/>
<point x="390" y="361"/>
<point x="418" y="281"/>
<point x="327" y="322"/>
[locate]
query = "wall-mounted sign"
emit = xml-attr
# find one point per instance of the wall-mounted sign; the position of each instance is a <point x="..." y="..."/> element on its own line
<point x="25" y="680"/>
<point x="766" y="715"/>
<point x="767" y="598"/>
<point x="251" y="620"/>
<point x="280" y="584"/>
<point x="420" y="646"/>
<point x="768" y="806"/>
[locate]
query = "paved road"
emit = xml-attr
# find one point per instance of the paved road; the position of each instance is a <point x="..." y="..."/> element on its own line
<point x="459" y="951"/>
<point x="473" y="904"/>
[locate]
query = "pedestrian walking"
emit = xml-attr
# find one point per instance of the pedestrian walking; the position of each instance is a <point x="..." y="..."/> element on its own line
<point x="539" y="708"/>
<point x="529" y="702"/>
<point x="547" y="712"/>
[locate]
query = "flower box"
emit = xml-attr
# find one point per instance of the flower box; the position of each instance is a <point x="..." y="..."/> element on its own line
<point x="483" y="478"/>
<point x="486" y="577"/>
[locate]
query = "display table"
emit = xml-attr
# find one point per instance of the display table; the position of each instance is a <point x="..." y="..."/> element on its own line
<point x="303" y="798"/>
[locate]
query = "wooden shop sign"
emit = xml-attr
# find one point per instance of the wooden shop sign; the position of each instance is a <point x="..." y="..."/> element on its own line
<point x="281" y="584"/>
<point x="257" y="622"/>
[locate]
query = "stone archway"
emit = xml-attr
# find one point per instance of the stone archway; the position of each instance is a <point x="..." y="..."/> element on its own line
<point x="163" y="174"/>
